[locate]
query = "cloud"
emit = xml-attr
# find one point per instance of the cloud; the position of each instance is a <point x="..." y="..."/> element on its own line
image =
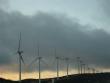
<point x="103" y="13"/>
<point x="105" y="6"/>
<point x="68" y="36"/>
<point x="4" y="4"/>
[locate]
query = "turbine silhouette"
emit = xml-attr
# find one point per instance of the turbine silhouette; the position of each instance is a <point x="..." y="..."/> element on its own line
<point x="19" y="52"/>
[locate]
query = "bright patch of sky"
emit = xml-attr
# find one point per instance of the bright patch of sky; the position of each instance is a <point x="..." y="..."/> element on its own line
<point x="87" y="11"/>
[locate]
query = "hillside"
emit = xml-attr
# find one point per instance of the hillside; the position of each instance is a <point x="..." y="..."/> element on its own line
<point x="84" y="78"/>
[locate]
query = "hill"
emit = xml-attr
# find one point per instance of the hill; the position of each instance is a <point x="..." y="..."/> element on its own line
<point x="84" y="78"/>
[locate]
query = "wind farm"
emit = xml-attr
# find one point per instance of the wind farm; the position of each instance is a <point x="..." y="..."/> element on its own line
<point x="54" y="41"/>
<point x="82" y="70"/>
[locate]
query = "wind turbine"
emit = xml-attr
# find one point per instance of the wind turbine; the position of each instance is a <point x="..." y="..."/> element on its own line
<point x="93" y="70"/>
<point x="81" y="68"/>
<point x="19" y="52"/>
<point x="84" y="67"/>
<point x="88" y="70"/>
<point x="39" y="59"/>
<point x="39" y="62"/>
<point x="78" y="61"/>
<point x="67" y="65"/>
<point x="57" y="64"/>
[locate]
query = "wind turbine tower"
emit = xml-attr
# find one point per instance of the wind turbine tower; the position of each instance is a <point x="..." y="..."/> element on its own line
<point x="39" y="61"/>
<point x="78" y="62"/>
<point x="67" y="63"/>
<point x="57" y="61"/>
<point x="88" y="69"/>
<point x="81" y="68"/>
<point x="84" y="68"/>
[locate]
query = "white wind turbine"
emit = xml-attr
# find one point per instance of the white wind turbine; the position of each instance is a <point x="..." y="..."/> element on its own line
<point x="19" y="52"/>
<point x="67" y="65"/>
<point x="81" y="68"/>
<point x="57" y="63"/>
<point x="39" y="63"/>
<point x="78" y="62"/>
<point x="88" y="70"/>
<point x="39" y="59"/>
<point x="93" y="70"/>
<point x="67" y="62"/>
<point x="84" y="68"/>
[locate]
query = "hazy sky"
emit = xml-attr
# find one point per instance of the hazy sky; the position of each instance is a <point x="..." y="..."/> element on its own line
<point x="73" y="27"/>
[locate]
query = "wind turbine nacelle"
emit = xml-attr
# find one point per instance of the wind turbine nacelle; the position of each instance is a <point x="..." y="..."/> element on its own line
<point x="39" y="57"/>
<point x="20" y="52"/>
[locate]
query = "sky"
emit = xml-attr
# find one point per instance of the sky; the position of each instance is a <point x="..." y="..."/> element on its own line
<point x="76" y="28"/>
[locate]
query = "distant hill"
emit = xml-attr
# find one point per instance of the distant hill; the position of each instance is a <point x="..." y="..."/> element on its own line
<point x="84" y="78"/>
<point x="7" y="81"/>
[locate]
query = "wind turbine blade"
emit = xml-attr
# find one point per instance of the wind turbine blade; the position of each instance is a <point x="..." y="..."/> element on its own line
<point x="55" y="52"/>
<point x="21" y="57"/>
<point x="19" y="44"/>
<point x="60" y="58"/>
<point x="33" y="61"/>
<point x="44" y="62"/>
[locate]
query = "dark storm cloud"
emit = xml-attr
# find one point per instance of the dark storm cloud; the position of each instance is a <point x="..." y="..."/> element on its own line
<point x="68" y="36"/>
<point x="4" y="60"/>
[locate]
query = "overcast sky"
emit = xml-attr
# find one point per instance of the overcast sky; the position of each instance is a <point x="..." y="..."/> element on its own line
<point x="87" y="11"/>
<point x="73" y="27"/>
